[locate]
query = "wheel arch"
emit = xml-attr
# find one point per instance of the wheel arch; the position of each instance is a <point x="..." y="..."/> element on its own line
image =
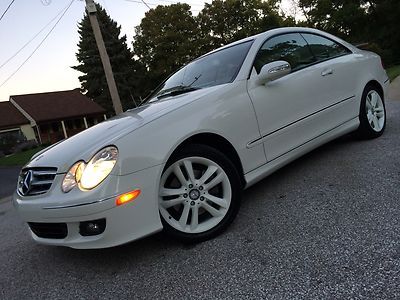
<point x="376" y="84"/>
<point x="217" y="142"/>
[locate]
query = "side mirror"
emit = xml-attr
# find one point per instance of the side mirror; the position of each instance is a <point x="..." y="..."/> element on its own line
<point x="273" y="71"/>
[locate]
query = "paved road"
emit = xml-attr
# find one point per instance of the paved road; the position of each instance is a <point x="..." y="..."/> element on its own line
<point x="326" y="226"/>
<point x="394" y="89"/>
<point x="8" y="180"/>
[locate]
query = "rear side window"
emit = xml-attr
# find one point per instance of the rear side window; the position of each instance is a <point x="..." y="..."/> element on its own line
<point x="288" y="47"/>
<point x="324" y="48"/>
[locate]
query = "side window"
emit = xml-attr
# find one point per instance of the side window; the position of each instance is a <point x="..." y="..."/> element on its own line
<point x="324" y="48"/>
<point x="288" y="47"/>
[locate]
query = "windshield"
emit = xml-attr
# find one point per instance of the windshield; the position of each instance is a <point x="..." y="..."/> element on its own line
<point x="213" y="69"/>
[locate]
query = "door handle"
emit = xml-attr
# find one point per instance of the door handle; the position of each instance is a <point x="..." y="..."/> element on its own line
<point x="327" y="72"/>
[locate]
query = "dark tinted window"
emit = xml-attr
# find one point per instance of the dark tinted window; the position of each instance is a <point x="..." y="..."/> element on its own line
<point x="288" y="47"/>
<point x="213" y="69"/>
<point x="324" y="48"/>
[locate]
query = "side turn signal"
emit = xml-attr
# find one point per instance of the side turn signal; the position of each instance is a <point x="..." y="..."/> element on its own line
<point x="127" y="197"/>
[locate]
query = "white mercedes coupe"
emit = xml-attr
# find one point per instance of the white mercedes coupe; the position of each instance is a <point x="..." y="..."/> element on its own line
<point x="215" y="127"/>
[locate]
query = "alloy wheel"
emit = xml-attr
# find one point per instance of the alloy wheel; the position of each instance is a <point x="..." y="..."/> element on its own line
<point x="195" y="194"/>
<point x="375" y="111"/>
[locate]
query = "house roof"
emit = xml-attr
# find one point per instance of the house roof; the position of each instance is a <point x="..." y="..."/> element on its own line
<point x="10" y="116"/>
<point x="57" y="105"/>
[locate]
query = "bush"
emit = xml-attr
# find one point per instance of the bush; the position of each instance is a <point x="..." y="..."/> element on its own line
<point x="25" y="146"/>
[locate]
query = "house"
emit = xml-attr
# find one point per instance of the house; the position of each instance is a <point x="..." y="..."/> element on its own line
<point x="49" y="117"/>
<point x="14" y="127"/>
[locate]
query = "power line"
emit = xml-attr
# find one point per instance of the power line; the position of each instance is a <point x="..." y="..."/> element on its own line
<point x="156" y="4"/>
<point x="8" y="7"/>
<point x="175" y="2"/>
<point x="146" y="4"/>
<point x="35" y="36"/>
<point x="40" y="44"/>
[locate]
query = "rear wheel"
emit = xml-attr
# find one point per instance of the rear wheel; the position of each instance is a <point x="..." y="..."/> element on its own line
<point x="199" y="193"/>
<point x="372" y="113"/>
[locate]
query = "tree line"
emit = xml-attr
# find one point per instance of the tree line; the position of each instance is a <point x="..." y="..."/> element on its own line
<point x="170" y="36"/>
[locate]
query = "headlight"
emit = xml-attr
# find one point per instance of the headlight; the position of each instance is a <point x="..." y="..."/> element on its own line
<point x="88" y="176"/>
<point x="99" y="167"/>
<point x="71" y="179"/>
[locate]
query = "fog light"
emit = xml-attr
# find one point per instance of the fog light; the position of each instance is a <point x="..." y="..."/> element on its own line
<point x="95" y="227"/>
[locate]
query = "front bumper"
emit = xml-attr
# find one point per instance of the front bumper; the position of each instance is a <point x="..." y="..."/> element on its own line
<point x="124" y="223"/>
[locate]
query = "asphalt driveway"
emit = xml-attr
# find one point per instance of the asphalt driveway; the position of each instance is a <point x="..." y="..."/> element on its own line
<point x="8" y="180"/>
<point x="325" y="227"/>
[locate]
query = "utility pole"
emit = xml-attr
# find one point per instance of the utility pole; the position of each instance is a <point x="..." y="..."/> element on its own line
<point x="112" y="87"/>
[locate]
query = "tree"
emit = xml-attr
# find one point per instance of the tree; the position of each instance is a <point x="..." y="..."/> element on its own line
<point x="344" y="18"/>
<point x="125" y="69"/>
<point x="170" y="36"/>
<point x="225" y="21"/>
<point x="384" y="28"/>
<point x="372" y="21"/>
<point x="165" y="40"/>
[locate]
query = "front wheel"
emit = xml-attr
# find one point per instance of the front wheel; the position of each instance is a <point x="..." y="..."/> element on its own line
<point x="372" y="113"/>
<point x="199" y="194"/>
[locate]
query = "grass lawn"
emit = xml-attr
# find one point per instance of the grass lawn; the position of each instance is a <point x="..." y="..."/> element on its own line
<point x="393" y="72"/>
<point x="19" y="159"/>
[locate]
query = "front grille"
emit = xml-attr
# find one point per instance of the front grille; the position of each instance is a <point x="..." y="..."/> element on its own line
<point x="35" y="181"/>
<point x="49" y="230"/>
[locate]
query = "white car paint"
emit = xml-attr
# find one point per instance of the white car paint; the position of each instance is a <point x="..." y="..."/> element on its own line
<point x="267" y="125"/>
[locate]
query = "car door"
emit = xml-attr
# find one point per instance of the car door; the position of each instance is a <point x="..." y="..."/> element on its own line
<point x="294" y="109"/>
<point x="339" y="72"/>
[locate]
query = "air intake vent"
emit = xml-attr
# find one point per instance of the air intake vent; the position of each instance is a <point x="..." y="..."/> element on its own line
<point x="35" y="181"/>
<point x="49" y="230"/>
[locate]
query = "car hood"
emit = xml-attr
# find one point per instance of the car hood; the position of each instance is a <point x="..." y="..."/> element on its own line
<point x="85" y="144"/>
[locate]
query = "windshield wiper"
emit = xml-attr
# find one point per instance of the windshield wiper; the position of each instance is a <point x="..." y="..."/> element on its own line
<point x="195" y="79"/>
<point x="177" y="90"/>
<point x="180" y="89"/>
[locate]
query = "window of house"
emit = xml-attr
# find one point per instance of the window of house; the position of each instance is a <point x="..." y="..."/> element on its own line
<point x="78" y="123"/>
<point x="90" y="122"/>
<point x="55" y="127"/>
<point x="45" y="127"/>
<point x="69" y="124"/>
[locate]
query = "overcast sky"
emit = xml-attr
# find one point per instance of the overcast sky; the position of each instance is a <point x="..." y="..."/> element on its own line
<point x="49" y="67"/>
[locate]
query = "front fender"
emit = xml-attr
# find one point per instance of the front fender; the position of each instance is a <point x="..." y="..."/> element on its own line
<point x="227" y="113"/>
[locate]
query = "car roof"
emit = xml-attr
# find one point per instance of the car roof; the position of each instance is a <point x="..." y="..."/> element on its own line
<point x="282" y="30"/>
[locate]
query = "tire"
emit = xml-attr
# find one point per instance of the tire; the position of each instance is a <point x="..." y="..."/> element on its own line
<point x="372" y="113"/>
<point x="185" y="194"/>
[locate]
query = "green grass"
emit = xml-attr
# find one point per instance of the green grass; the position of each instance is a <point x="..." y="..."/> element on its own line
<point x="393" y="72"/>
<point x="19" y="159"/>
